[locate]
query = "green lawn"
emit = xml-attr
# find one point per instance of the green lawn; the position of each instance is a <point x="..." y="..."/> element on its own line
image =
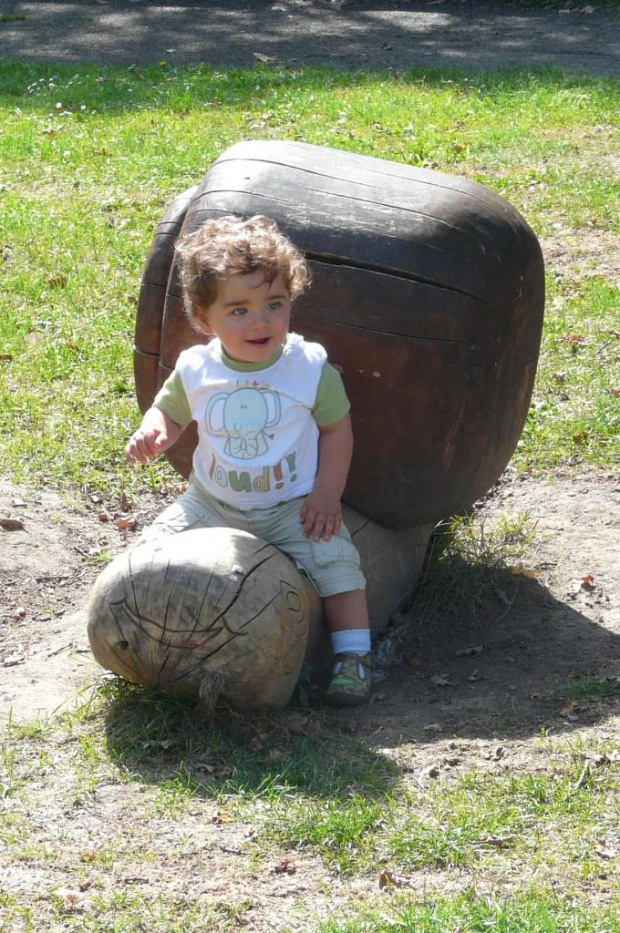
<point x="89" y="157"/>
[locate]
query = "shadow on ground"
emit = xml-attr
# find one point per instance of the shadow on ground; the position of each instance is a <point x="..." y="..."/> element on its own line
<point x="531" y="663"/>
<point x="341" y="35"/>
<point x="534" y="665"/>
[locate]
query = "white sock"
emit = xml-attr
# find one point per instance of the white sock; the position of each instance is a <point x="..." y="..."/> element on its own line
<point x="351" y="641"/>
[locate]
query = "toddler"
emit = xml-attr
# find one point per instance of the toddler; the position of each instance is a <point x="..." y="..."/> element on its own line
<point x="274" y="431"/>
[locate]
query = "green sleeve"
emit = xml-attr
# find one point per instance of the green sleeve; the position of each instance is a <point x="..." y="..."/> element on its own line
<point x="172" y="400"/>
<point x="331" y="402"/>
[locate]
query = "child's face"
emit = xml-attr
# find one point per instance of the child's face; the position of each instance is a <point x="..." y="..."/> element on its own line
<point x="250" y="316"/>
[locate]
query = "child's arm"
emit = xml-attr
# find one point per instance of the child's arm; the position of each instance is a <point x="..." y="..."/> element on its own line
<point x="157" y="432"/>
<point x="321" y="513"/>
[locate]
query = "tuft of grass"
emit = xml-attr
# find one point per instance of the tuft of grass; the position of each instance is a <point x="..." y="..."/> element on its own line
<point x="590" y="687"/>
<point x="471" y="565"/>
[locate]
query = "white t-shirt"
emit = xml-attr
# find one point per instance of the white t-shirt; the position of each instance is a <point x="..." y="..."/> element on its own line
<point x="257" y="436"/>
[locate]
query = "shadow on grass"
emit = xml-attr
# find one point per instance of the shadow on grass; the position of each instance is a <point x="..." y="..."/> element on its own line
<point x="161" y="738"/>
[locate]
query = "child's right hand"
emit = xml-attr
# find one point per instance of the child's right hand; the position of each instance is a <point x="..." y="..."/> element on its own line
<point x="144" y="445"/>
<point x="157" y="433"/>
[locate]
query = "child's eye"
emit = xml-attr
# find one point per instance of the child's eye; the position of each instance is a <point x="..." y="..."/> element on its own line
<point x="274" y="305"/>
<point x="240" y="311"/>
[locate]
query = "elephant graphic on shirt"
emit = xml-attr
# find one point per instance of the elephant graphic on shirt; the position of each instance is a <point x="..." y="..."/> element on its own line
<point x="244" y="415"/>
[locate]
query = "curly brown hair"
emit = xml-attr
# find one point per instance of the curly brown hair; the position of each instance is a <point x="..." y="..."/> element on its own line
<point x="229" y="246"/>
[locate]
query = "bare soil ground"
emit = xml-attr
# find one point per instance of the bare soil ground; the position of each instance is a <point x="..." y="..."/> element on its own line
<point x="558" y="621"/>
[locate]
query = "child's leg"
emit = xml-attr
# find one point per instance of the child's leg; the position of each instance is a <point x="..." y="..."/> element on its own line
<point x="346" y="615"/>
<point x="346" y="611"/>
<point x="334" y="566"/>
<point x="191" y="510"/>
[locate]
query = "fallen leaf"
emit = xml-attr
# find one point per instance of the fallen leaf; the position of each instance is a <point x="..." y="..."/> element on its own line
<point x="580" y="437"/>
<point x="103" y="516"/>
<point x="389" y="879"/>
<point x="615" y="393"/>
<point x="6" y="357"/>
<point x="439" y="681"/>
<point x="523" y="572"/>
<point x="476" y="676"/>
<point x="433" y="727"/>
<point x="11" y="524"/>
<point x="126" y="524"/>
<point x="588" y="582"/>
<point x="264" y="59"/>
<point x="57" y="281"/>
<point x="220" y="817"/>
<point x="387" y="46"/>
<point x="284" y="868"/>
<point x="277" y="754"/>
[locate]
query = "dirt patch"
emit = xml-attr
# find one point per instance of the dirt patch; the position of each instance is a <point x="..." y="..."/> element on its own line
<point x="49" y="561"/>
<point x="504" y="674"/>
<point x="544" y="629"/>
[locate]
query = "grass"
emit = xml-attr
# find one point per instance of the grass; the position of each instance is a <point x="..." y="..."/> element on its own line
<point x="90" y="156"/>
<point x="469" y="561"/>
<point x="156" y="818"/>
<point x="534" y="911"/>
<point x="514" y="847"/>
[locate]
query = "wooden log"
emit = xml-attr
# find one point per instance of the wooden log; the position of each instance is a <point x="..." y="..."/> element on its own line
<point x="149" y="317"/>
<point x="222" y="612"/>
<point x="210" y="612"/>
<point x="428" y="295"/>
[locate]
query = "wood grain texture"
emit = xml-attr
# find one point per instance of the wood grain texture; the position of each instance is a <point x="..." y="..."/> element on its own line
<point x="428" y="294"/>
<point x="175" y="611"/>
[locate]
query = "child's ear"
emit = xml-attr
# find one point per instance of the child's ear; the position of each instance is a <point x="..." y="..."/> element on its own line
<point x="203" y="326"/>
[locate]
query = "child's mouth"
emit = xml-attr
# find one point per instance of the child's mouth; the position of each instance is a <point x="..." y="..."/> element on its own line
<point x="260" y="342"/>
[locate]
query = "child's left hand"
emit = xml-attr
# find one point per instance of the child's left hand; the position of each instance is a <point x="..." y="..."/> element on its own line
<point x="321" y="515"/>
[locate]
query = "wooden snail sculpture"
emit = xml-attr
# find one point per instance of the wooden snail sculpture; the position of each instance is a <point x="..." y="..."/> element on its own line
<point x="428" y="294"/>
